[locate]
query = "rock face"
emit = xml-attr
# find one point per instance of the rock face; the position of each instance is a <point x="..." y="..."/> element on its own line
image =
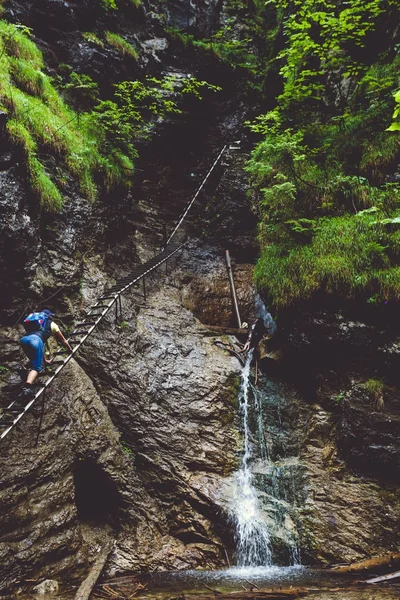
<point x="141" y="433"/>
<point x="140" y="454"/>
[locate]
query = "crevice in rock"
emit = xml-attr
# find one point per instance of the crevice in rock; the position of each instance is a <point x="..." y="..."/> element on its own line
<point x="97" y="499"/>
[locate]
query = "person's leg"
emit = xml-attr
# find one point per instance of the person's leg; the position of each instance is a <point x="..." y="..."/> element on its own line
<point x="33" y="347"/>
<point x="31" y="376"/>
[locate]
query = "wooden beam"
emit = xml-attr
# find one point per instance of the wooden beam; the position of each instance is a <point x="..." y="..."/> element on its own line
<point x="385" y="561"/>
<point x="394" y="575"/>
<point x="233" y="289"/>
<point x="86" y="587"/>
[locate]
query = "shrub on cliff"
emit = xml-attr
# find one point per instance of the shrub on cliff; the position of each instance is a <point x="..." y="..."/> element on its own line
<point x="95" y="147"/>
<point x="328" y="217"/>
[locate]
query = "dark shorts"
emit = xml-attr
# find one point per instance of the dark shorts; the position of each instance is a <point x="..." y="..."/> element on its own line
<point x="33" y="346"/>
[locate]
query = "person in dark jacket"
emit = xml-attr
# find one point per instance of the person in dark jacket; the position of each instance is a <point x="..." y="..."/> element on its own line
<point x="262" y="328"/>
<point x="33" y="344"/>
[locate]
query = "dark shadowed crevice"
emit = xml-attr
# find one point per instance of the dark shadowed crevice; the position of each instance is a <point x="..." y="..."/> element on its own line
<point x="96" y="495"/>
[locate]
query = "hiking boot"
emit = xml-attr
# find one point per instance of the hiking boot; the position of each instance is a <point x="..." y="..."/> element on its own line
<point x="27" y="392"/>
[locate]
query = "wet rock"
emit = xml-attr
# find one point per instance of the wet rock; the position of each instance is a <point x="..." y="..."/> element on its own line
<point x="207" y="292"/>
<point x="18" y="238"/>
<point x="48" y="586"/>
<point x="190" y="16"/>
<point x="172" y="396"/>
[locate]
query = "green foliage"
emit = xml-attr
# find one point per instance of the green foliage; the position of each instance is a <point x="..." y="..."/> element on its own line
<point x="121" y="45"/>
<point x="328" y="221"/>
<point x="316" y="59"/>
<point x="131" y="116"/>
<point x="109" y="4"/>
<point x="114" y="4"/>
<point x="241" y="43"/>
<point x="127" y="449"/>
<point x="96" y="146"/>
<point x="339" y="399"/>
<point x="395" y="126"/>
<point x="92" y="38"/>
<point x="374" y="388"/>
<point x="79" y="88"/>
<point x="39" y="121"/>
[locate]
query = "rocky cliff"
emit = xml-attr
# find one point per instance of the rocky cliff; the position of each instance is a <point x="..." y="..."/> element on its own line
<point x="141" y="431"/>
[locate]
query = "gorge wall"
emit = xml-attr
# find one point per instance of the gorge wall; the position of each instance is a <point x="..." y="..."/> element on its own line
<point x="142" y="430"/>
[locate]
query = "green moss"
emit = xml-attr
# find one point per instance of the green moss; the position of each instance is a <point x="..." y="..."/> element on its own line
<point x="39" y="120"/>
<point x="121" y="45"/>
<point x="232" y="392"/>
<point x="91" y="37"/>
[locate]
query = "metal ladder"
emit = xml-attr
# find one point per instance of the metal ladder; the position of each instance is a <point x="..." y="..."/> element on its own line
<point x="14" y="412"/>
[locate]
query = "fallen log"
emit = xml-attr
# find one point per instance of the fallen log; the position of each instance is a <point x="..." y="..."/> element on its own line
<point x="375" y="564"/>
<point x="387" y="577"/>
<point x="86" y="587"/>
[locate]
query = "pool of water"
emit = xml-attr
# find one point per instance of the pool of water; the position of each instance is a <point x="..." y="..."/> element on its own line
<point x="323" y="585"/>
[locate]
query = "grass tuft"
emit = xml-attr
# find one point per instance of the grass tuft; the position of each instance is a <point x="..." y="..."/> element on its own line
<point x="41" y="123"/>
<point x="121" y="45"/>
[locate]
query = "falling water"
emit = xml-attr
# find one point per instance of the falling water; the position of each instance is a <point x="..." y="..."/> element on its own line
<point x="262" y="501"/>
<point x="253" y="540"/>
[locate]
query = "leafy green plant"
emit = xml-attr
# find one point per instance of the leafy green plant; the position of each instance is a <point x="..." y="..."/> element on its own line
<point x="79" y="88"/>
<point x="109" y="4"/>
<point x="339" y="399"/>
<point x="328" y="219"/>
<point x="93" y="147"/>
<point x="395" y="126"/>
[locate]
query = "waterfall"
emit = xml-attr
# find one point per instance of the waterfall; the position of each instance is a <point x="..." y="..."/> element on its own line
<point x="253" y="540"/>
<point x="264" y="493"/>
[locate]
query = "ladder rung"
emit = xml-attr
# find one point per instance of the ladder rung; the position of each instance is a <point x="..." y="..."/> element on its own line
<point x="134" y="273"/>
<point x="14" y="410"/>
<point x="80" y="332"/>
<point x="61" y="352"/>
<point x="86" y="323"/>
<point x="99" y="306"/>
<point x="74" y="342"/>
<point x="107" y="297"/>
<point x="6" y="422"/>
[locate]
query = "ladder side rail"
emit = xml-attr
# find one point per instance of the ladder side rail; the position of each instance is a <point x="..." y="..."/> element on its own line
<point x="189" y="206"/>
<point x="75" y="350"/>
<point x="54" y="375"/>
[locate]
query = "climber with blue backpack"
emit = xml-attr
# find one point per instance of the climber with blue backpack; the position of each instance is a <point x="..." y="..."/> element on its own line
<point x="39" y="326"/>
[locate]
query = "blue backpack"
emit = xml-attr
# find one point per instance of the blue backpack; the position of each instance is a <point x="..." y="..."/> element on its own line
<point x="38" y="322"/>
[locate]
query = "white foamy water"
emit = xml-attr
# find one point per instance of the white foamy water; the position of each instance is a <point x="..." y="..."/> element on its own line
<point x="252" y="535"/>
